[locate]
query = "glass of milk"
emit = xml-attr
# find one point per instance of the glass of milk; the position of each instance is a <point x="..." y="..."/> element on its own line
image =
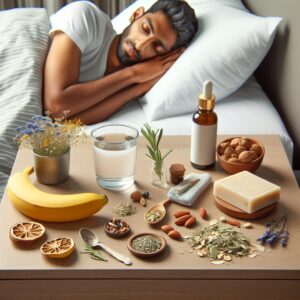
<point x="115" y="148"/>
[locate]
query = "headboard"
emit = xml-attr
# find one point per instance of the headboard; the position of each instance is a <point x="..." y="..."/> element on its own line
<point x="279" y="73"/>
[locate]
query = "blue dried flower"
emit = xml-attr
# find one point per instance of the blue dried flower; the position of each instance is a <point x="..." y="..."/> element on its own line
<point x="29" y="125"/>
<point x="18" y="129"/>
<point x="37" y="118"/>
<point x="277" y="232"/>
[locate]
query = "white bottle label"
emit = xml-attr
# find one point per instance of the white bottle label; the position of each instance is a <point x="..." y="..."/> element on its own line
<point x="203" y="144"/>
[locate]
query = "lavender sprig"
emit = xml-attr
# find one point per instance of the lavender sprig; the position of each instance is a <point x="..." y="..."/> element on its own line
<point x="277" y="232"/>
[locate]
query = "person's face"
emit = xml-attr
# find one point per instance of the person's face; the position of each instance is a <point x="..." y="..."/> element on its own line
<point x="147" y="36"/>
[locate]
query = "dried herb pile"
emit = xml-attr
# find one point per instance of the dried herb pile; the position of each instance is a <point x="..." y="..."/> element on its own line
<point x="220" y="243"/>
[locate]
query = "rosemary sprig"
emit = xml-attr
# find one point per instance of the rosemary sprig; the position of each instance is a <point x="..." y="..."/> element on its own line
<point x="154" y="138"/>
<point x="94" y="253"/>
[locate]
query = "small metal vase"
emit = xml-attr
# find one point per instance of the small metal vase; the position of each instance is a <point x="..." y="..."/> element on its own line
<point x="52" y="169"/>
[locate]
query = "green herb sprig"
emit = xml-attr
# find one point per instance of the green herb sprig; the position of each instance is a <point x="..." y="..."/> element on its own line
<point x="154" y="138"/>
<point x="94" y="253"/>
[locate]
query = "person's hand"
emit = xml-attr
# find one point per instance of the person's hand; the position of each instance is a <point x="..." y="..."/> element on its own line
<point x="155" y="67"/>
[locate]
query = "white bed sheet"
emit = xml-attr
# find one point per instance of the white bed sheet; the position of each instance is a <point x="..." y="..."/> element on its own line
<point x="247" y="111"/>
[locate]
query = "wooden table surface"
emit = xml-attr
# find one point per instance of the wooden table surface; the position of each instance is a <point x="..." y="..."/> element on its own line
<point x="179" y="270"/>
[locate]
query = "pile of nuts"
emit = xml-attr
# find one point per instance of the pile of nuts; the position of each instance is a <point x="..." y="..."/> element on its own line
<point x="184" y="218"/>
<point x="239" y="150"/>
<point x="117" y="226"/>
<point x="140" y="197"/>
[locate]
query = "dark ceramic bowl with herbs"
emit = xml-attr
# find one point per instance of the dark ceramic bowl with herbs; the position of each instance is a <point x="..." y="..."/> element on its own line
<point x="116" y="228"/>
<point x="146" y="244"/>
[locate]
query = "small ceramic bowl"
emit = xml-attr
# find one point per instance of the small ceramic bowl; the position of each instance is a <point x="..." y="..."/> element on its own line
<point x="117" y="235"/>
<point x="142" y="254"/>
<point x="235" y="167"/>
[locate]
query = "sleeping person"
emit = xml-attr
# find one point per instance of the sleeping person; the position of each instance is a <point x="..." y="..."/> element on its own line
<point x="91" y="71"/>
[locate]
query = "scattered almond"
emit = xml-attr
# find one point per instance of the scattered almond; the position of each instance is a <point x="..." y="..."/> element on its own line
<point x="190" y="222"/>
<point x="202" y="212"/>
<point x="174" y="234"/>
<point x="181" y="221"/>
<point x="233" y="223"/>
<point x="181" y="213"/>
<point x="166" y="228"/>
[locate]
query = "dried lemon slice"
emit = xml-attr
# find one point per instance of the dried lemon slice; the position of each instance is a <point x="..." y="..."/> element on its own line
<point x="26" y="232"/>
<point x="59" y="248"/>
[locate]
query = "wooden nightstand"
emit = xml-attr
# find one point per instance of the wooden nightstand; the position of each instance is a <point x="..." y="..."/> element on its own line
<point x="178" y="273"/>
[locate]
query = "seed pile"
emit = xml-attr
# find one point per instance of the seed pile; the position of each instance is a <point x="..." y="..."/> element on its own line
<point x="146" y="244"/>
<point x="124" y="210"/>
<point x="153" y="216"/>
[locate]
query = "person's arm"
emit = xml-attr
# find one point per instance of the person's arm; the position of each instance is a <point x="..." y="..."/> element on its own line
<point x="63" y="92"/>
<point x="107" y="107"/>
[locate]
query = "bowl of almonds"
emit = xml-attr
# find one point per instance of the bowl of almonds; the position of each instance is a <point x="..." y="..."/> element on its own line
<point x="238" y="154"/>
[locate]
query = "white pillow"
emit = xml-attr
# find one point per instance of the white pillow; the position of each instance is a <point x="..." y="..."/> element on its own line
<point x="229" y="45"/>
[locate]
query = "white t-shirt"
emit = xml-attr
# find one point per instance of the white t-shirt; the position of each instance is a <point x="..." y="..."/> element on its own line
<point x="91" y="30"/>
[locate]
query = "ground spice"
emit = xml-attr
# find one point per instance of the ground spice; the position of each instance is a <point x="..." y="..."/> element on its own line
<point x="146" y="244"/>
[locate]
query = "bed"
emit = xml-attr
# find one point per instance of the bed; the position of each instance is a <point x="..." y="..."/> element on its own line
<point x="244" y="108"/>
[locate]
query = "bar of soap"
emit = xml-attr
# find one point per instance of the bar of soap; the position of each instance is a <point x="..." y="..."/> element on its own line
<point x="247" y="191"/>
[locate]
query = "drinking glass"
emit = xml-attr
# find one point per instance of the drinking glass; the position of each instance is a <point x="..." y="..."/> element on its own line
<point x="115" y="148"/>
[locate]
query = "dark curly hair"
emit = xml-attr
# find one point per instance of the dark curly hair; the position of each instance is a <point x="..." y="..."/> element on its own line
<point x="182" y="18"/>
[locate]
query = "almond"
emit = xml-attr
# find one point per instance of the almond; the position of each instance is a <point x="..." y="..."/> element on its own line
<point x="174" y="234"/>
<point x="202" y="212"/>
<point x="228" y="151"/>
<point x="190" y="222"/>
<point x="257" y="149"/>
<point x="233" y="160"/>
<point x="180" y="221"/>
<point x="235" y="142"/>
<point x="246" y="156"/>
<point x="224" y="145"/>
<point x="233" y="223"/>
<point x="245" y="142"/>
<point x="239" y="149"/>
<point x="181" y="213"/>
<point x="166" y="228"/>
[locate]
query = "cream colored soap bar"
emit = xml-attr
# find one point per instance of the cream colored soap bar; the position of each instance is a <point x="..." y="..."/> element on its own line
<point x="247" y="191"/>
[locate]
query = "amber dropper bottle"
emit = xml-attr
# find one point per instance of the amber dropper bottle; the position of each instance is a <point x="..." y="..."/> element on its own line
<point x="204" y="130"/>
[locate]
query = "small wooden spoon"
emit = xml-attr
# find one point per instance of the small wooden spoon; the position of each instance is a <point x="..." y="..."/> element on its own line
<point x="158" y="207"/>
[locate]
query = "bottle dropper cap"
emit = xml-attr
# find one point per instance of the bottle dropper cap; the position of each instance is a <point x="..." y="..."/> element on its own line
<point x="207" y="99"/>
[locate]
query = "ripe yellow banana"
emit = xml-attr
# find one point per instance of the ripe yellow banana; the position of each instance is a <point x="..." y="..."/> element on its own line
<point x="42" y="206"/>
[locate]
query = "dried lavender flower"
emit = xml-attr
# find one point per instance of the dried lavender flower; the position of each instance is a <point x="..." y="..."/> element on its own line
<point x="277" y="232"/>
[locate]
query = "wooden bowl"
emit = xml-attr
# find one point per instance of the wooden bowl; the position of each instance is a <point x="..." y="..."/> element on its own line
<point x="235" y="212"/>
<point x="145" y="255"/>
<point x="233" y="168"/>
<point x="114" y="234"/>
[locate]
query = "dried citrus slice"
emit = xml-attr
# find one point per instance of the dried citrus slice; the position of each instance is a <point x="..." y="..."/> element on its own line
<point x="59" y="248"/>
<point x="26" y="232"/>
